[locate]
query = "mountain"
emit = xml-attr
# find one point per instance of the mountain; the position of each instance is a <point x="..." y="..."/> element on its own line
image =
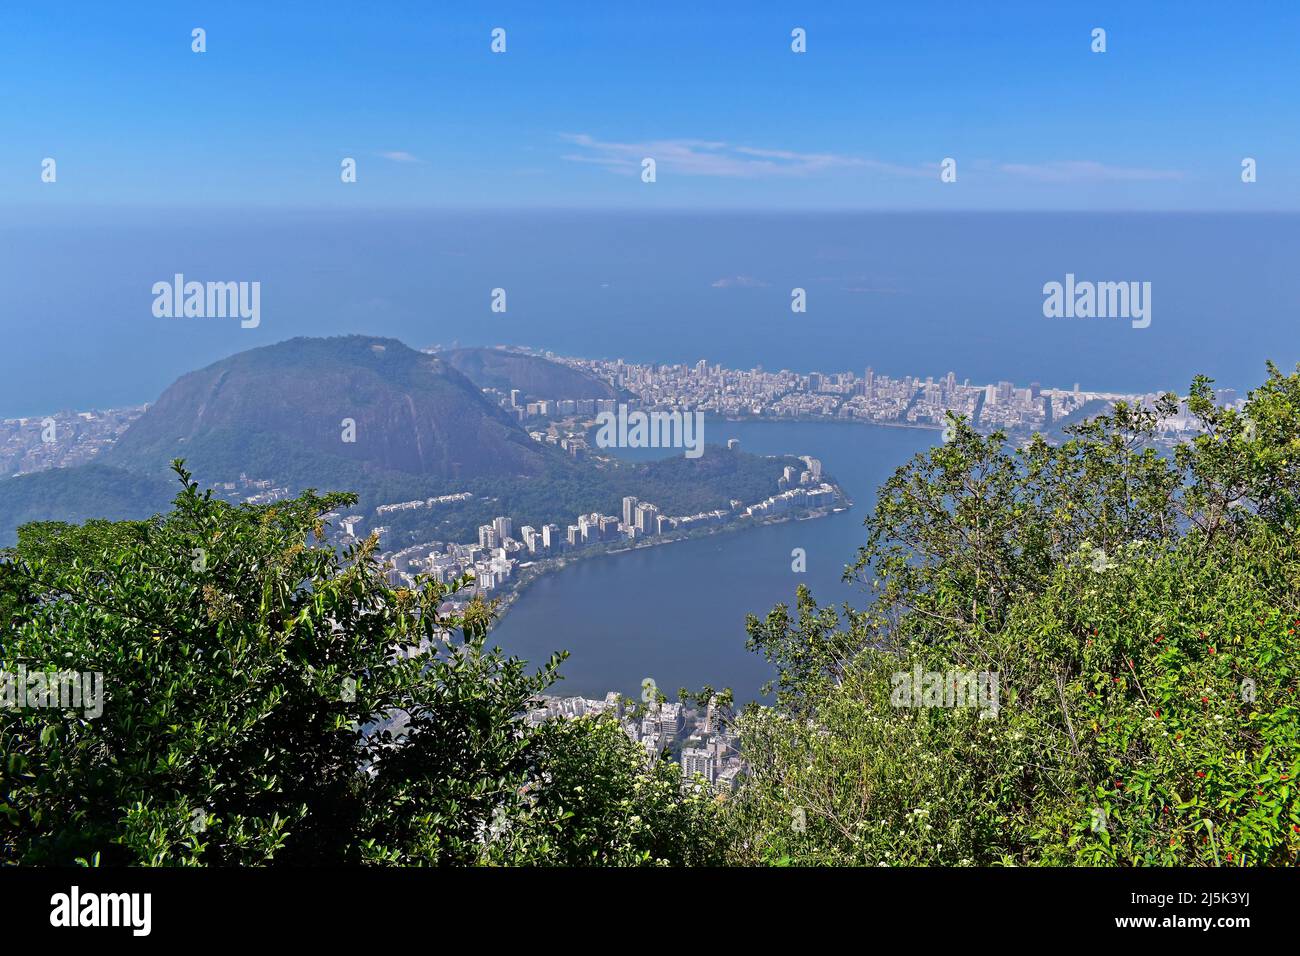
<point x="288" y="410"/>
<point x="534" y="376"/>
<point x="421" y="428"/>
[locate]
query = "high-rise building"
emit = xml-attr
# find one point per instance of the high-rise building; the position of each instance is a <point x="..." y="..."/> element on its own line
<point x="502" y="526"/>
<point x="698" y="760"/>
<point x="629" y="511"/>
<point x="667" y="720"/>
<point x="645" y="518"/>
<point x="550" y="536"/>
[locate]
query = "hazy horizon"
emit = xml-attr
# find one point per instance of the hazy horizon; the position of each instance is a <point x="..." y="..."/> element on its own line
<point x="907" y="293"/>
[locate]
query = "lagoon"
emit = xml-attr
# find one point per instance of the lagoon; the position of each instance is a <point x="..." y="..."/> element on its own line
<point x="676" y="613"/>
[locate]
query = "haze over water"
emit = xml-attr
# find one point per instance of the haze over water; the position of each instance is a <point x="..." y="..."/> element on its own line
<point x="907" y="293"/>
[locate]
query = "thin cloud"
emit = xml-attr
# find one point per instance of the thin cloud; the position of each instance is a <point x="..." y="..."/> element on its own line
<point x="1074" y="171"/>
<point x="700" y="157"/>
<point x="739" y="282"/>
<point x="401" y="156"/>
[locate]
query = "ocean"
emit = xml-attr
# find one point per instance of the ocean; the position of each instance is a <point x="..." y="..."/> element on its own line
<point x="906" y="293"/>
<point x="914" y="293"/>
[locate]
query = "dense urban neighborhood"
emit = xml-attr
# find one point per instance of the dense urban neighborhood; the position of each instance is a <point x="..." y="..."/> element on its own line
<point x="61" y="439"/>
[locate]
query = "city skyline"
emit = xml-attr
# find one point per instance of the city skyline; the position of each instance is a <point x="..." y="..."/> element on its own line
<point x="93" y="430"/>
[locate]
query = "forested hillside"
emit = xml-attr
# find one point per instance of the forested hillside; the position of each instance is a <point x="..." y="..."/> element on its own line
<point x="1132" y="615"/>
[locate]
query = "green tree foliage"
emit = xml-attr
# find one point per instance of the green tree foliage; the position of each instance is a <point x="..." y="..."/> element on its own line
<point x="269" y="700"/>
<point x="1140" y="610"/>
<point x="601" y="806"/>
<point x="272" y="701"/>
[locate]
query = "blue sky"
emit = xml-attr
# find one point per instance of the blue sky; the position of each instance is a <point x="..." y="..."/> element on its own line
<point x="711" y="90"/>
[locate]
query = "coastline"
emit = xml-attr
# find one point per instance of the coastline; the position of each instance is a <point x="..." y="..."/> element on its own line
<point x="536" y="570"/>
